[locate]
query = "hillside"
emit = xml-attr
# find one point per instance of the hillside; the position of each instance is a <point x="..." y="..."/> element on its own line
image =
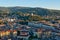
<point x="37" y="11"/>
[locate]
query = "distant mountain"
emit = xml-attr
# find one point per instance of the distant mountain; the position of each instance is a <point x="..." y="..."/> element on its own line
<point x="37" y="10"/>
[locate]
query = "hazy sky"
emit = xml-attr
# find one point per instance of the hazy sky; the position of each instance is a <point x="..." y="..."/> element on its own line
<point x="52" y="4"/>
